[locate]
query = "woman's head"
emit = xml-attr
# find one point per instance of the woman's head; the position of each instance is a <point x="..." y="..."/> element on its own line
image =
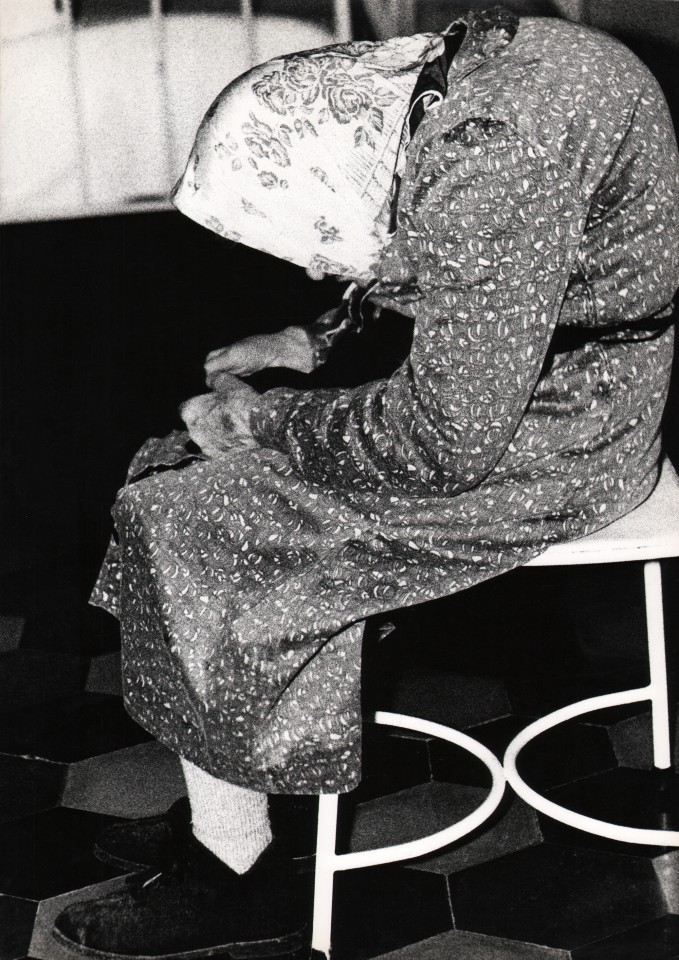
<point x="296" y="157"/>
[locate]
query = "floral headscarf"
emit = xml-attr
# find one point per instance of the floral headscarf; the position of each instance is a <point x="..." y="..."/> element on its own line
<point x="296" y="157"/>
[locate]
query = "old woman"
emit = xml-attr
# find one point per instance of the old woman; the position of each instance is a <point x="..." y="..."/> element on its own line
<point x="512" y="186"/>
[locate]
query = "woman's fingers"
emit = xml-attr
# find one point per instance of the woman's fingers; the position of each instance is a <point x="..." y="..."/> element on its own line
<point x="219" y="423"/>
<point x="197" y="408"/>
<point x="232" y="360"/>
<point x="228" y="384"/>
<point x="244" y="357"/>
<point x="244" y="351"/>
<point x="291" y="348"/>
<point x="215" y="354"/>
<point x="296" y="350"/>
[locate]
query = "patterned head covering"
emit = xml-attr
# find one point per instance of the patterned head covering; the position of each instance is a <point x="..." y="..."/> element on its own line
<point x="296" y="157"/>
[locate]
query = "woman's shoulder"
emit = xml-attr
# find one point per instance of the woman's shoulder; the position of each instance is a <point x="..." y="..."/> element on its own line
<point x="569" y="90"/>
<point x="575" y="53"/>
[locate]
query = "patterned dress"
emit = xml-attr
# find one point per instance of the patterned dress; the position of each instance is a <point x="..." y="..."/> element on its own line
<point x="537" y="249"/>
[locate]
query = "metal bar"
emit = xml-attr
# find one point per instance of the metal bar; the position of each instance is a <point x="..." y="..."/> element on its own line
<point x="418" y="848"/>
<point x="585" y="551"/>
<point x="572" y="9"/>
<point x="328" y="862"/>
<point x="342" y="20"/>
<point x="249" y="30"/>
<point x="662" y="748"/>
<point x="325" y="872"/>
<point x="73" y="63"/>
<point x="389" y="18"/>
<point x="403" y="16"/>
<point x="600" y="828"/>
<point x="160" y="38"/>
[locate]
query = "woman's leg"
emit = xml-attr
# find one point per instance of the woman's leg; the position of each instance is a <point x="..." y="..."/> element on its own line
<point x="226" y="884"/>
<point x="226" y="889"/>
<point x="231" y="821"/>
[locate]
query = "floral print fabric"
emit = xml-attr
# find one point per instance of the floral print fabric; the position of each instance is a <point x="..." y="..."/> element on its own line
<point x="296" y="158"/>
<point x="540" y="195"/>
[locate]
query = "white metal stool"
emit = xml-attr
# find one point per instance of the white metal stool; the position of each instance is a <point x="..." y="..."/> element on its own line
<point x="649" y="534"/>
<point x="328" y="862"/>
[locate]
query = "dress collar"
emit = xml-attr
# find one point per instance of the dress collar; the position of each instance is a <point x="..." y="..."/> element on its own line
<point x="488" y="32"/>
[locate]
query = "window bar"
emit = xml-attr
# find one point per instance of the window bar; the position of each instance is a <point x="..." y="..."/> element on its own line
<point x="342" y="20"/>
<point x="249" y="30"/>
<point x="73" y="64"/>
<point x="402" y="17"/>
<point x="575" y="10"/>
<point x="160" y="37"/>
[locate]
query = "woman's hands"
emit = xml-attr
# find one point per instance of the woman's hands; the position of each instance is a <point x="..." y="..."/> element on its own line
<point x="220" y="421"/>
<point x="291" y="348"/>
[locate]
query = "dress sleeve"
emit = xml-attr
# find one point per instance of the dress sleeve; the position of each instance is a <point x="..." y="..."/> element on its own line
<point x="490" y="232"/>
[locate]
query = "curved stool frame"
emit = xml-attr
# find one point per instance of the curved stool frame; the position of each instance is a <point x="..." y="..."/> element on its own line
<point x="328" y="862"/>
<point x="656" y="692"/>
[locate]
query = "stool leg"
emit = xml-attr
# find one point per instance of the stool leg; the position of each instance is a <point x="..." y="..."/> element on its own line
<point x="662" y="734"/>
<point x="325" y="873"/>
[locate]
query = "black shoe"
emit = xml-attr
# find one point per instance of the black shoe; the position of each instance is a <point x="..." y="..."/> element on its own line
<point x="152" y="841"/>
<point x="196" y="908"/>
<point x="147" y="842"/>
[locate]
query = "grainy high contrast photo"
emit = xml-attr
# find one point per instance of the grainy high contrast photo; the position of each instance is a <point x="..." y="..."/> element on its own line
<point x="339" y="599"/>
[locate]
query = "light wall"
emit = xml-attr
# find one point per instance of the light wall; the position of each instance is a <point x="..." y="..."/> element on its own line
<point x="99" y="117"/>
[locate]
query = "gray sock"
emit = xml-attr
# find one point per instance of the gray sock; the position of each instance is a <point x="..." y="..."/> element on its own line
<point x="231" y="821"/>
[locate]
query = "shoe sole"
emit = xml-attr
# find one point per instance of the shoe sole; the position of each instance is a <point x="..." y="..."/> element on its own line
<point x="293" y="946"/>
<point x="105" y="857"/>
<point x="304" y="862"/>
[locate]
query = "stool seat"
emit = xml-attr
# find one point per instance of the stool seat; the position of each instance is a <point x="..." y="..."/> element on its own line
<point x="649" y="532"/>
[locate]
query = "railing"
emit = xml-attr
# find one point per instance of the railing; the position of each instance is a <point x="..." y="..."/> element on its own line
<point x="97" y="115"/>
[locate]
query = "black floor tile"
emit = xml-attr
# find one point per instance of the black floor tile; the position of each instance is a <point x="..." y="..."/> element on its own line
<point x="53" y="599"/>
<point x="455" y="765"/>
<point x="566" y="753"/>
<point x="611" y="717"/>
<point x="635" y="798"/>
<point x="28" y="785"/>
<point x="74" y="628"/>
<point x="11" y="629"/>
<point x="657" y="940"/>
<point x="538" y="696"/>
<point x="392" y="760"/>
<point x="632" y="740"/>
<point x="14" y="591"/>
<point x="453" y="699"/>
<point x="104" y="674"/>
<point x="294" y="820"/>
<point x="514" y="826"/>
<point x="72" y="729"/>
<point x="556" y="896"/>
<point x="43" y="945"/>
<point x="560" y="834"/>
<point x="36" y="676"/>
<point x="377" y="909"/>
<point x="51" y="853"/>
<point x="461" y="945"/>
<point x="16" y="925"/>
<point x="411" y="814"/>
<point x="572" y="751"/>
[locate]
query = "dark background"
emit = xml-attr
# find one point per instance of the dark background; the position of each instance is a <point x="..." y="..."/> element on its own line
<point x="105" y="325"/>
